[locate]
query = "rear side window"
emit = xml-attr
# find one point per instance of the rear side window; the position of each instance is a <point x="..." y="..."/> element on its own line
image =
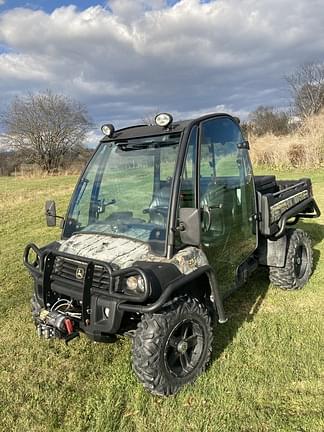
<point x="219" y="140"/>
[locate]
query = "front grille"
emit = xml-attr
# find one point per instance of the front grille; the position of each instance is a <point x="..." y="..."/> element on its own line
<point x="67" y="269"/>
<point x="101" y="278"/>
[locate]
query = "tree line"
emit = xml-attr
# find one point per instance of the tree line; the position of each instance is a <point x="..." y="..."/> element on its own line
<point x="49" y="130"/>
<point x="306" y="87"/>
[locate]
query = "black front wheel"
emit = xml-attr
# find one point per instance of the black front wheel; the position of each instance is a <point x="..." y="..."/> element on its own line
<point x="299" y="262"/>
<point x="172" y="348"/>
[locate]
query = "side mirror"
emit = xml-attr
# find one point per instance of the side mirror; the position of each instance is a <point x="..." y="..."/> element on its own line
<point x="190" y="226"/>
<point x="50" y="213"/>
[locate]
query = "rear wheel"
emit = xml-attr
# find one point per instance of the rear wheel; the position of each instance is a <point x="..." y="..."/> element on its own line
<point x="172" y="348"/>
<point x="299" y="262"/>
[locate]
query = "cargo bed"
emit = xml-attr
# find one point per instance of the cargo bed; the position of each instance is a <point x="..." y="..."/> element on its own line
<point x="281" y="200"/>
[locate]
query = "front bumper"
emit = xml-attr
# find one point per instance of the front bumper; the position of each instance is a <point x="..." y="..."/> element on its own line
<point x="94" y="284"/>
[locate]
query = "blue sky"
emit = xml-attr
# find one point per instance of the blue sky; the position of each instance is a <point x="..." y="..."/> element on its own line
<point x="48" y="6"/>
<point x="51" y="5"/>
<point x="133" y="57"/>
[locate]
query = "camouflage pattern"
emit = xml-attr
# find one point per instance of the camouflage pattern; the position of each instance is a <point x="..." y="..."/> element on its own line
<point x="277" y="210"/>
<point x="122" y="252"/>
<point x="119" y="251"/>
<point x="186" y="260"/>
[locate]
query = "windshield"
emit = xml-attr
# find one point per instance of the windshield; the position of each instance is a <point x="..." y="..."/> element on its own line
<point x="125" y="190"/>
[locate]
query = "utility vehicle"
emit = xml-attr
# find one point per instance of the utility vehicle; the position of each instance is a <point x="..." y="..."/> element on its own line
<point x="165" y="221"/>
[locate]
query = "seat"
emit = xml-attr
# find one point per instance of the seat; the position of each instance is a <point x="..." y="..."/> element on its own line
<point x="266" y="184"/>
<point x="159" y="206"/>
<point x="213" y="198"/>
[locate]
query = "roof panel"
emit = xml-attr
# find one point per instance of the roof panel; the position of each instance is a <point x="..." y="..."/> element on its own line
<point x="146" y="131"/>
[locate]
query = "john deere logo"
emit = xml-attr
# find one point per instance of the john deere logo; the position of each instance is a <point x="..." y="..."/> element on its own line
<point x="79" y="273"/>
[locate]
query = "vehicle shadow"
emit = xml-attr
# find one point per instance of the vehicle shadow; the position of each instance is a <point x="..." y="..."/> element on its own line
<point x="240" y="307"/>
<point x="316" y="233"/>
<point x="243" y="305"/>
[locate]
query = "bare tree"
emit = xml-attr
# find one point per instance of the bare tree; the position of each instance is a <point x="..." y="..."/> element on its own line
<point x="46" y="128"/>
<point x="266" y="119"/>
<point x="307" y="87"/>
<point x="149" y="117"/>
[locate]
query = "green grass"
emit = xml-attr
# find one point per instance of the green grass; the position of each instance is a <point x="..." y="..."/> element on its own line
<point x="267" y="367"/>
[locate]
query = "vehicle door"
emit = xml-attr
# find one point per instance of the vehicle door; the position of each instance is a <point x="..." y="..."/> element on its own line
<point x="227" y="199"/>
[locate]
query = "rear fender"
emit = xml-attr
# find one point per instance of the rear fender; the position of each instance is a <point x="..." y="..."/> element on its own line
<point x="272" y="253"/>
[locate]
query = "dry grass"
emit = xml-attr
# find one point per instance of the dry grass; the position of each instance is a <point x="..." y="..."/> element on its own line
<point x="302" y="149"/>
<point x="33" y="171"/>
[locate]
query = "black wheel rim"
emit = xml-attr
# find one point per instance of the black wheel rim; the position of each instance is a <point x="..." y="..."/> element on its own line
<point x="300" y="263"/>
<point x="184" y="348"/>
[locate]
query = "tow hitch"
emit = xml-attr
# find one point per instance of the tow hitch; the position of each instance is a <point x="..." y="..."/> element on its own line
<point x="53" y="324"/>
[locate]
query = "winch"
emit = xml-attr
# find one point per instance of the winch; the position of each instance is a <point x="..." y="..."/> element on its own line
<point x="54" y="324"/>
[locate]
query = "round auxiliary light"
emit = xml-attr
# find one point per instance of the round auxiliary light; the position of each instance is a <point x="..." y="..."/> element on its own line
<point x="163" y="119"/>
<point x="108" y="129"/>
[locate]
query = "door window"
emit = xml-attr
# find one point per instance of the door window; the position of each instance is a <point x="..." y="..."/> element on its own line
<point x="226" y="197"/>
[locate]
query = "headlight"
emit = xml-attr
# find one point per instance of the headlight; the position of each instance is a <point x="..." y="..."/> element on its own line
<point x="135" y="284"/>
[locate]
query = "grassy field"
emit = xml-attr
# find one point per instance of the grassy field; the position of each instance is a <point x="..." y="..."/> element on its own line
<point x="267" y="367"/>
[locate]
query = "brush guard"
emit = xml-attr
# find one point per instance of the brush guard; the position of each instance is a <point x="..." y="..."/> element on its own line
<point x="100" y="316"/>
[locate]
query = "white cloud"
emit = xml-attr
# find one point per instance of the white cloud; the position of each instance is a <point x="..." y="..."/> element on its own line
<point x="136" y="54"/>
<point x="130" y="9"/>
<point x="93" y="137"/>
<point x="14" y="67"/>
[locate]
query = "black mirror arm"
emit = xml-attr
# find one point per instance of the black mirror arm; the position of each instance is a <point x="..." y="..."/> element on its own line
<point x="48" y="213"/>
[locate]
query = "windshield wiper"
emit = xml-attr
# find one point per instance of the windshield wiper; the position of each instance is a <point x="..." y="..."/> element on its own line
<point x="126" y="146"/>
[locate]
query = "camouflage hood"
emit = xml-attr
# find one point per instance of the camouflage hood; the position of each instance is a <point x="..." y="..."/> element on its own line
<point x="122" y="253"/>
